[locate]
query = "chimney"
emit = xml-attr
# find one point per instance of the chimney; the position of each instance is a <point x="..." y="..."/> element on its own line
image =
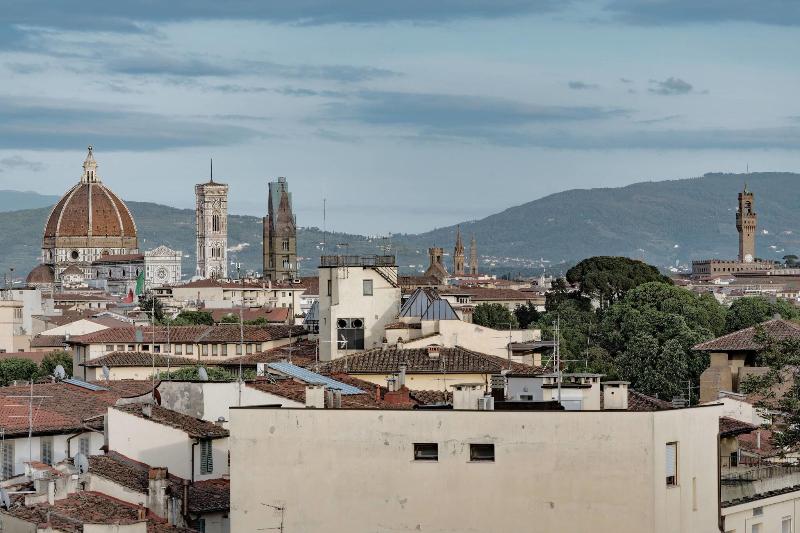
<point x="758" y="439"/>
<point x="377" y="393"/>
<point x="157" y="498"/>
<point x="315" y="396"/>
<point x="391" y="383"/>
<point x="399" y="396"/>
<point x="141" y="512"/>
<point x="433" y="351"/>
<point x="615" y="395"/>
<point x="401" y="376"/>
<point x="185" y="498"/>
<point x="333" y="398"/>
<point x="147" y="410"/>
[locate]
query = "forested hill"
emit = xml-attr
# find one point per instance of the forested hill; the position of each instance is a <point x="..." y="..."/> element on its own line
<point x="660" y="222"/>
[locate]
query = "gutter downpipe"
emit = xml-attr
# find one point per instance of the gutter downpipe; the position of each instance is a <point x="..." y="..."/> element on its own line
<point x="195" y="443"/>
<point x="720" y="521"/>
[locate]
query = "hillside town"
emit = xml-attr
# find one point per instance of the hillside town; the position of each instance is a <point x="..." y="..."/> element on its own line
<point x="140" y="398"/>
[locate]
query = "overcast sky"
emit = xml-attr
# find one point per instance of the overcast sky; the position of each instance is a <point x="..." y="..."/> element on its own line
<point x="404" y="115"/>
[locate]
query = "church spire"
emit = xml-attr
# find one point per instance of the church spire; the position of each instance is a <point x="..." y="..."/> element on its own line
<point x="90" y="168"/>
<point x="473" y="256"/>
<point x="458" y="254"/>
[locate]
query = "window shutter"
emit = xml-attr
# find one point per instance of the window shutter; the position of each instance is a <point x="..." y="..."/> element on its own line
<point x="206" y="457"/>
<point x="671" y="459"/>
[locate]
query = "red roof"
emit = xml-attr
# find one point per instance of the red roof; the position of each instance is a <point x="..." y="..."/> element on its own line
<point x="277" y="315"/>
<point x="196" y="428"/>
<point x="190" y="334"/>
<point x="746" y="339"/>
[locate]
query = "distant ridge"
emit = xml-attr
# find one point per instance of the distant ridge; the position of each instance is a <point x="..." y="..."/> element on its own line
<point x="16" y="200"/>
<point x="660" y="222"/>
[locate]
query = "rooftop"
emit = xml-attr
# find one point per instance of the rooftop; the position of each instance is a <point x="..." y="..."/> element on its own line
<point x="301" y="352"/>
<point x="194" y="427"/>
<point x="746" y="339"/>
<point x="117" y="359"/>
<point x="227" y="333"/>
<point x="417" y="361"/>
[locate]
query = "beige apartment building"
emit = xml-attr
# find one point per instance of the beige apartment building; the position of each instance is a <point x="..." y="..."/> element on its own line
<point x="459" y="471"/>
<point x="12" y="333"/>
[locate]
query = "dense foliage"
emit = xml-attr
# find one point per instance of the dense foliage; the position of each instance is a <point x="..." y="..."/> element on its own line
<point x="152" y="306"/>
<point x="17" y="369"/>
<point x="53" y="359"/>
<point x="752" y="310"/>
<point x="214" y="374"/>
<point x="495" y="316"/>
<point x="607" y="279"/>
<point x="193" y="318"/>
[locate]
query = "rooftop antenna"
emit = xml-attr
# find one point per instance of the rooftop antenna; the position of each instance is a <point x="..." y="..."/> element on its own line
<point x="324" y="224"/>
<point x="211" y="168"/>
<point x="29" y="416"/>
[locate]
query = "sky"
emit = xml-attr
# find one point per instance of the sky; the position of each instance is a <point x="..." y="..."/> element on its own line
<point x="400" y="116"/>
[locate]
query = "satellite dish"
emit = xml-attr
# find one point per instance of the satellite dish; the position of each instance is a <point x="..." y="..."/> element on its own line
<point x="106" y="372"/>
<point x="202" y="375"/>
<point x="5" y="499"/>
<point x="81" y="463"/>
<point x="59" y="372"/>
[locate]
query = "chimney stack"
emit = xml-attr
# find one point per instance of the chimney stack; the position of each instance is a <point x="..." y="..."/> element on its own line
<point x="141" y="512"/>
<point x="615" y="395"/>
<point x="315" y="396"/>
<point x="147" y="410"/>
<point x="157" y="498"/>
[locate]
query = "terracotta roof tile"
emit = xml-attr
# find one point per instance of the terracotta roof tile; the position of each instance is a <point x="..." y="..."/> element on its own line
<point x="117" y="359"/>
<point x="194" y="427"/>
<point x="48" y="341"/>
<point x="481" y="294"/>
<point x="745" y="339"/>
<point x="228" y="333"/>
<point x="730" y="427"/>
<point x="278" y="315"/>
<point x="302" y="353"/>
<point x="417" y="360"/>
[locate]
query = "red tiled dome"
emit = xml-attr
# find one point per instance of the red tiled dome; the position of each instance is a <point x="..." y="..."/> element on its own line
<point x="40" y="274"/>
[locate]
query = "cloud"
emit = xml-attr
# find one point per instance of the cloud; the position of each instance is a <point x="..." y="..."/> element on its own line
<point x="659" y="119"/>
<point x="580" y="85"/>
<point x="56" y="125"/>
<point x="303" y="92"/>
<point x="129" y="16"/>
<point x="20" y="162"/>
<point x="626" y="80"/>
<point x="660" y="12"/>
<point x="670" y="86"/>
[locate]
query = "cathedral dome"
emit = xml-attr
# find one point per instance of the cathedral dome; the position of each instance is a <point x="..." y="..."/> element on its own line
<point x="41" y="275"/>
<point x="90" y="215"/>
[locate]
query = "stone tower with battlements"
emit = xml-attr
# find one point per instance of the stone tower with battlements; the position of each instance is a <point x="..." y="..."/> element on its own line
<point x="746" y="222"/>
<point x="211" y="221"/>
<point x="280" y="234"/>
<point x="473" y="257"/>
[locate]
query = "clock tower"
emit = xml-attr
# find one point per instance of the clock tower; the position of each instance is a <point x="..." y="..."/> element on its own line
<point x="746" y="220"/>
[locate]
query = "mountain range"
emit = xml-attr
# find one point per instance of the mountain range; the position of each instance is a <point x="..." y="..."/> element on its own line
<point x="664" y="223"/>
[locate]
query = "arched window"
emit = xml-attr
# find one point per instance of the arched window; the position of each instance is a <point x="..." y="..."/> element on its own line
<point x="215" y="223"/>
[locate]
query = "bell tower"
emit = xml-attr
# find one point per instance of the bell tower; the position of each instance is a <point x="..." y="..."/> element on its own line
<point x="746" y="221"/>
<point x="458" y="255"/>
<point x="211" y="215"/>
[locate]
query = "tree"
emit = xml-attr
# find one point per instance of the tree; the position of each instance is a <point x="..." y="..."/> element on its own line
<point x="607" y="279"/>
<point x="53" y="359"/>
<point x="778" y="390"/>
<point x="752" y="310"/>
<point x="214" y="374"/>
<point x="16" y="369"/>
<point x="650" y="334"/>
<point x="560" y="292"/>
<point x="790" y="260"/>
<point x="526" y="314"/>
<point x="495" y="316"/>
<point x="152" y="305"/>
<point x="578" y="329"/>
<point x="194" y="318"/>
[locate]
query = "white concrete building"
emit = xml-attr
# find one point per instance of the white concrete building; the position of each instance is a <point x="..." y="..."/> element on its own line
<point x="358" y="297"/>
<point x="459" y="471"/>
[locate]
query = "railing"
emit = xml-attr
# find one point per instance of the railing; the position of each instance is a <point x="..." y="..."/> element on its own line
<point x="758" y="473"/>
<point x="357" y="260"/>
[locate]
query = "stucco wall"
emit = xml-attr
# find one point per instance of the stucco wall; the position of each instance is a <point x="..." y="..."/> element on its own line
<point x="554" y="471"/>
<point x="21" y="455"/>
<point x="741" y="518"/>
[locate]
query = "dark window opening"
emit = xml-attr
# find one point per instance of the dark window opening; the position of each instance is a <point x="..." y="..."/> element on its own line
<point x="426" y="451"/>
<point x="481" y="452"/>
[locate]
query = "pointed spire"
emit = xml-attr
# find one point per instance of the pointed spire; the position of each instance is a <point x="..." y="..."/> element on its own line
<point x="90" y="168"/>
<point x="285" y="219"/>
<point x="459" y="243"/>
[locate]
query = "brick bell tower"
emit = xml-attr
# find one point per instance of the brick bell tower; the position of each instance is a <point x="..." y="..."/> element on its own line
<point x="746" y="221"/>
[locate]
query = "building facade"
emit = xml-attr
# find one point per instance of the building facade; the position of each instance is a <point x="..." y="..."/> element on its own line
<point x="212" y="229"/>
<point x="280" y="234"/>
<point x="746" y="222"/>
<point x="162" y="267"/>
<point x="454" y="470"/>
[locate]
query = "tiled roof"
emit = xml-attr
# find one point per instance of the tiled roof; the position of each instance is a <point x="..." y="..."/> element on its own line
<point x="431" y="397"/>
<point x="86" y="507"/>
<point x="730" y="427"/>
<point x="48" y="341"/>
<point x="194" y="427"/>
<point x="303" y="353"/>
<point x="227" y="333"/>
<point x="63" y="407"/>
<point x="417" y="361"/>
<point x="758" y="442"/>
<point x="73" y="297"/>
<point x="642" y="402"/>
<point x="418" y="281"/>
<point x="204" y="496"/>
<point x="296" y="390"/>
<point x="403" y="325"/>
<point x="745" y="339"/>
<point x="115" y="359"/>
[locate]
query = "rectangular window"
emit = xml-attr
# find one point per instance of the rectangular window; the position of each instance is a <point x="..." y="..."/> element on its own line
<point x="214" y="350"/>
<point x="145" y="347"/>
<point x="206" y="457"/>
<point x="131" y="347"/>
<point x="189" y="349"/>
<point x="205" y="349"/>
<point x="238" y="349"/>
<point x="225" y="349"/>
<point x="249" y="348"/>
<point x="156" y="348"/>
<point x="426" y="451"/>
<point x="481" y="452"/>
<point x="120" y="347"/>
<point x="109" y="347"/>
<point x="8" y="459"/>
<point x="178" y="349"/>
<point x="84" y="445"/>
<point x="367" y="287"/>
<point x="755" y="528"/>
<point x="786" y="524"/>
<point x="671" y="465"/>
<point x="329" y="287"/>
<point x="46" y="450"/>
